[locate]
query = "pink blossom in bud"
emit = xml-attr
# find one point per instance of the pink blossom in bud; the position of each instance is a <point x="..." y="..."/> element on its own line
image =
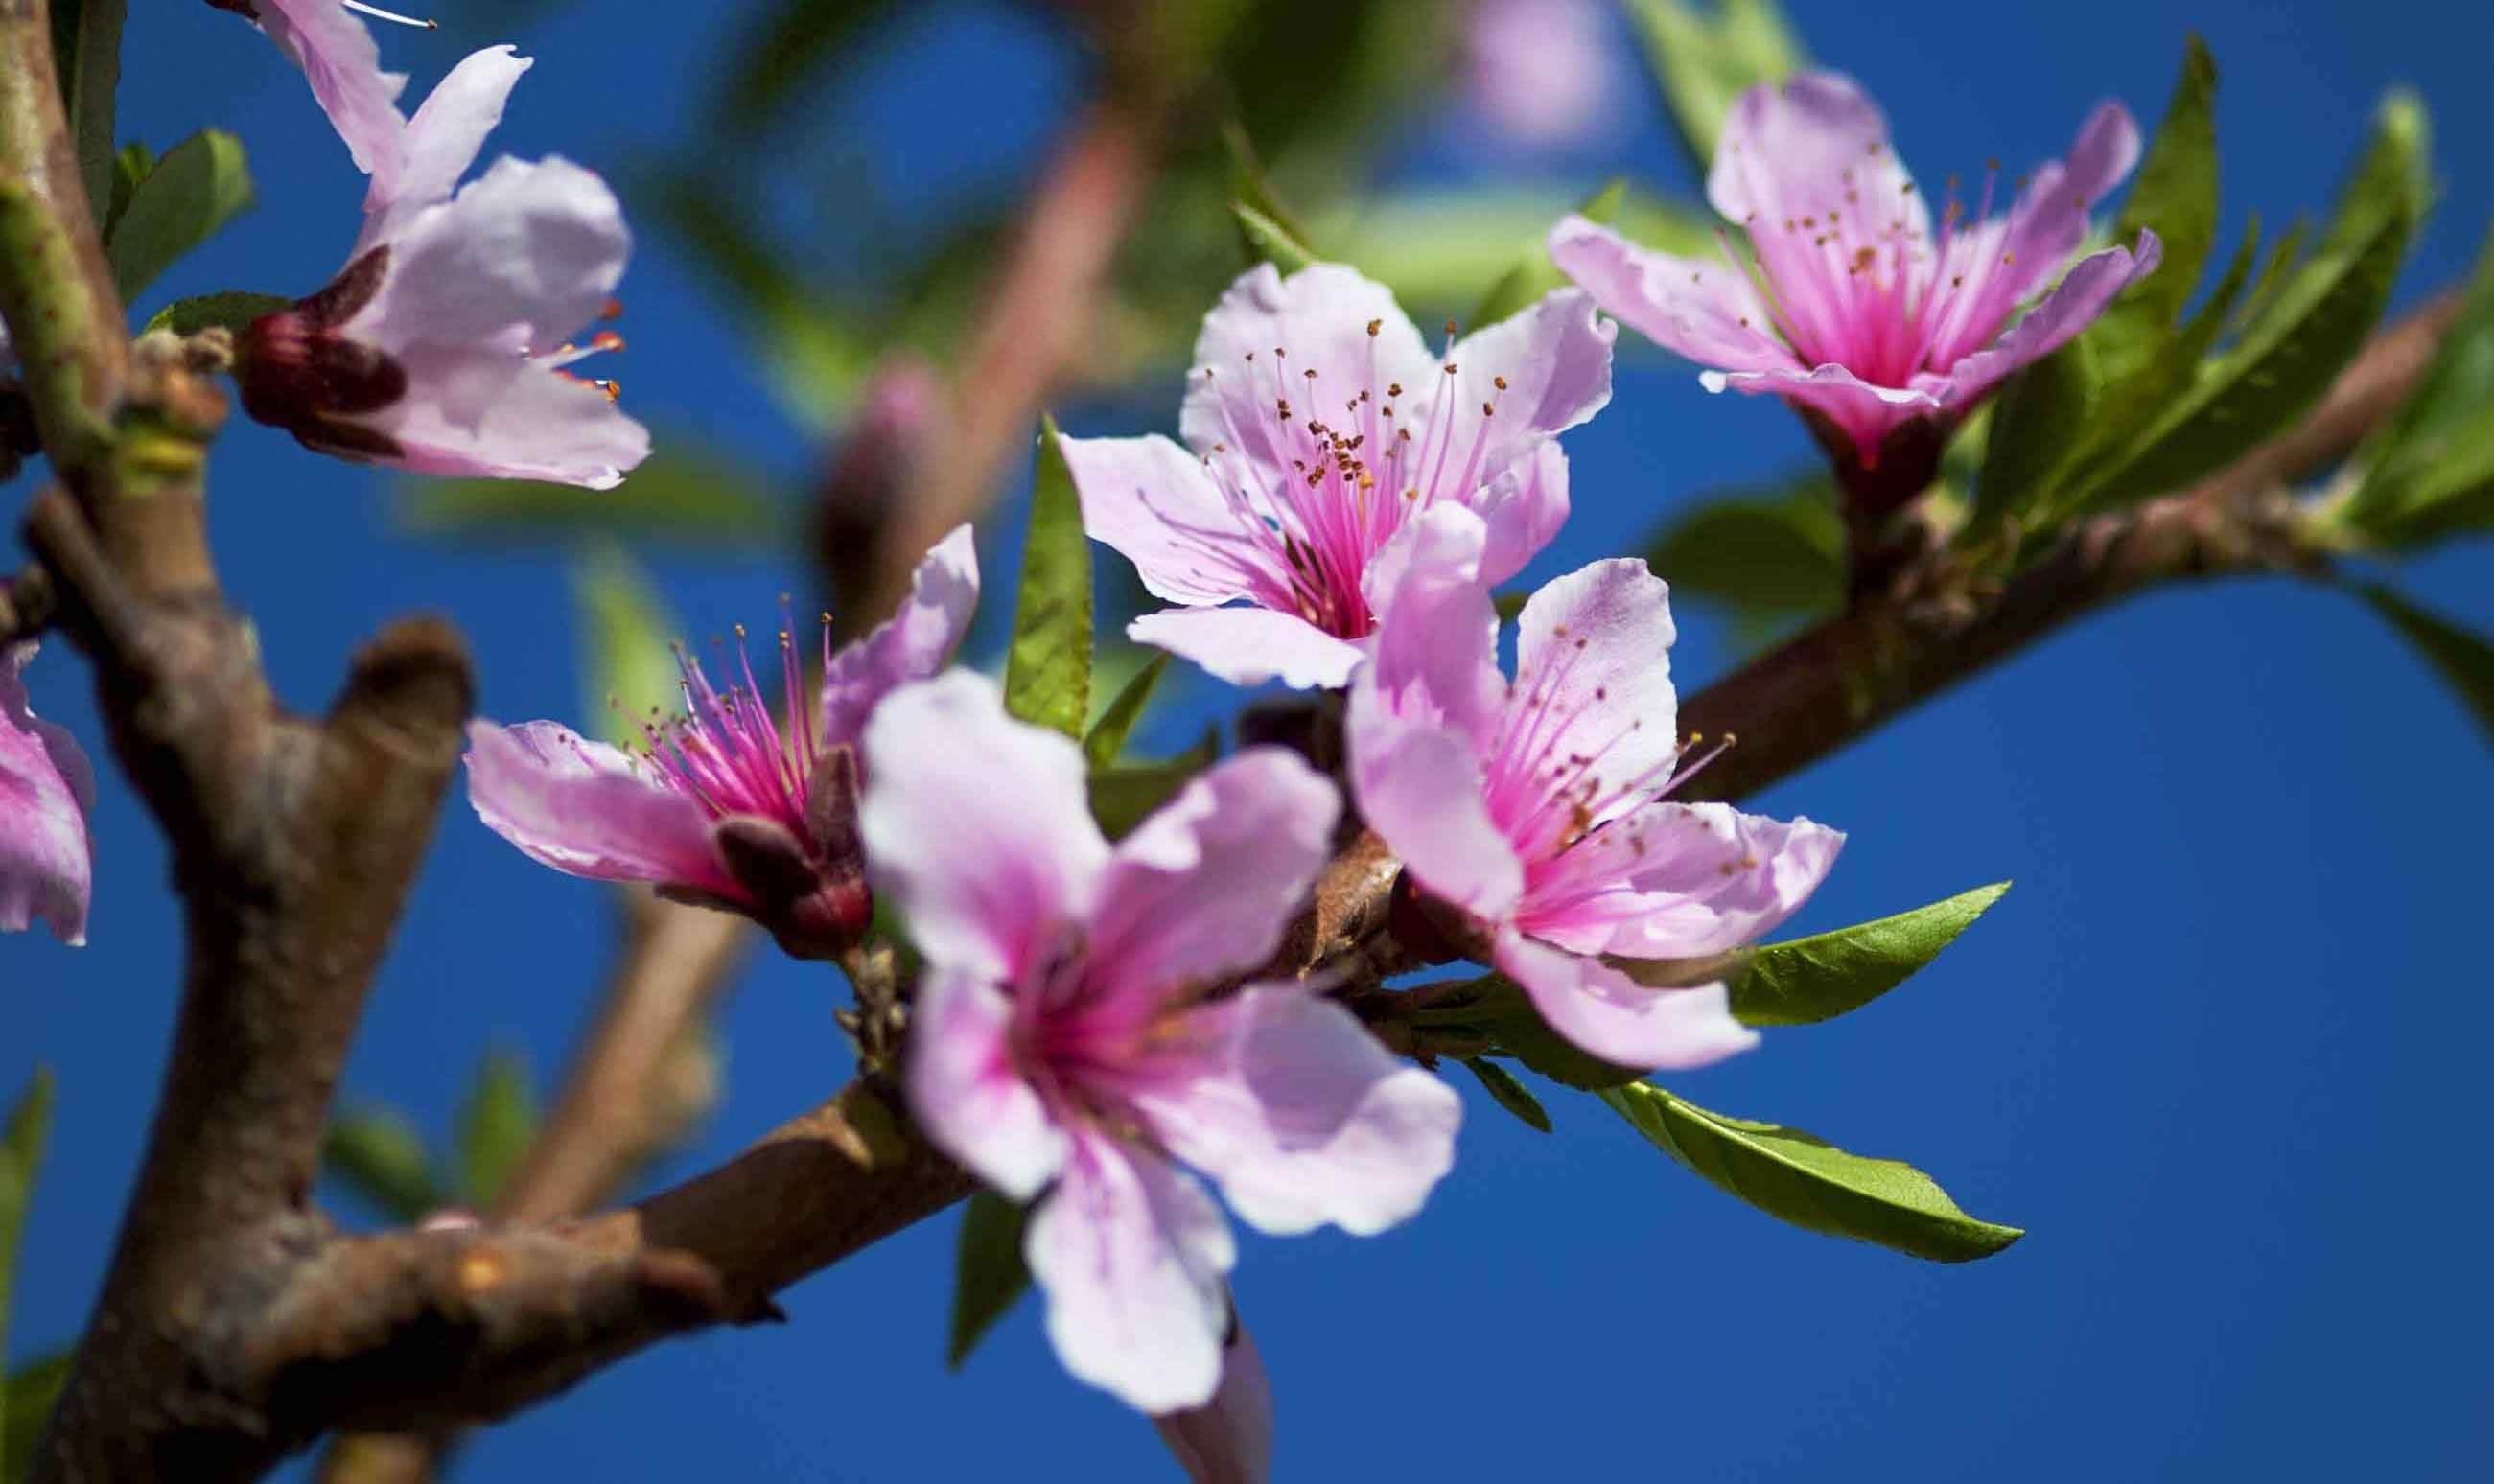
<point x="46" y="790"/>
<point x="1073" y="1044"/>
<point x="1317" y="425"/>
<point x="1537" y="810"/>
<point x="728" y="805"/>
<point x="1881" y="331"/>
<point x="443" y="346"/>
<point x="1542" y="72"/>
<point x="1230" y="1438"/>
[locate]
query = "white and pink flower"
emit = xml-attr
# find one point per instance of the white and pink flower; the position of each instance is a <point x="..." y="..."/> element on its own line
<point x="1317" y="425"/>
<point x="47" y="791"/>
<point x="1073" y="1044"/>
<point x="1537" y="810"/>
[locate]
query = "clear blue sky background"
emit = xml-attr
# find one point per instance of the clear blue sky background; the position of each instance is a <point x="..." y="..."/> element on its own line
<point x="2221" y="1050"/>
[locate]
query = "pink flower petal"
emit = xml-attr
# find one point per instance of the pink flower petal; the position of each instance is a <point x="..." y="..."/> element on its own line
<point x="1678" y="881"/>
<point x="589" y="809"/>
<point x="441" y="142"/>
<point x="1305" y="1119"/>
<point x="1250" y="645"/>
<point x="1603" y="1011"/>
<point x="1705" y="311"/>
<point x="1813" y="143"/>
<point x="1206" y="886"/>
<point x="912" y="645"/>
<point x="1155" y="504"/>
<point x="343" y="64"/>
<point x="1317" y="319"/>
<point x="482" y="411"/>
<point x="1418" y="781"/>
<point x="1866" y="412"/>
<point x="2071" y="307"/>
<point x="523" y="257"/>
<point x="1230" y="1438"/>
<point x="1523" y="508"/>
<point x="1555" y="359"/>
<point x="1592" y="684"/>
<point x="966" y="1092"/>
<point x="988" y="887"/>
<point x="1131" y="1254"/>
<point x="47" y="791"/>
<point x="1437" y="640"/>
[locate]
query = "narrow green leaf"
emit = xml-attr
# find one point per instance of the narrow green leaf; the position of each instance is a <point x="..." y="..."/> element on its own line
<point x="201" y="184"/>
<point x="230" y="311"/>
<point x="2175" y="196"/>
<point x="628" y="671"/>
<point x="26" y="1401"/>
<point x="1251" y="187"/>
<point x="86" y="56"/>
<point x="1270" y="241"/>
<point x="988" y="1275"/>
<point x="1804" y="981"/>
<point x="1108" y="737"/>
<point x="1124" y="795"/>
<point x="1705" y="62"/>
<point x="2039" y="424"/>
<point x="686" y="494"/>
<point x="130" y="164"/>
<point x="21" y="1154"/>
<point x="1768" y="556"/>
<point x="378" y="1154"/>
<point x="496" y="1124"/>
<point x="1047" y="668"/>
<point x="2430" y="470"/>
<point x="1535" y="275"/>
<point x="1509" y="1094"/>
<point x="2464" y="660"/>
<point x="1799" y="1178"/>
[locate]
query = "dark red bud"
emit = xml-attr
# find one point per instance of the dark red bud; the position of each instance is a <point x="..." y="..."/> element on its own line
<point x="815" y="907"/>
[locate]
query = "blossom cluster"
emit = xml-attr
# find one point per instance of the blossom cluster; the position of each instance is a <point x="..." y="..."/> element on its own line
<point x="1099" y="1030"/>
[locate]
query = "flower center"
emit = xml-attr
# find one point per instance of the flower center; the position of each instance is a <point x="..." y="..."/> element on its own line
<point x="727" y="751"/>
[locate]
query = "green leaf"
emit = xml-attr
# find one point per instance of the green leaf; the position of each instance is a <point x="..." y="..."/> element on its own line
<point x="988" y="1275"/>
<point x="86" y="56"/>
<point x="496" y="1124"/>
<point x="687" y="495"/>
<point x="1796" y="1177"/>
<point x="2175" y="196"/>
<point x="2430" y="470"/>
<point x="1535" y="275"/>
<point x="201" y="184"/>
<point x="21" y="1154"/>
<point x="1047" y="667"/>
<point x="629" y="673"/>
<point x="26" y="1401"/>
<point x="129" y="167"/>
<point x="1804" y="981"/>
<point x="1270" y="241"/>
<point x="230" y="311"/>
<point x="2039" y="424"/>
<point x="1509" y="1093"/>
<point x="1705" y="62"/>
<point x="2464" y="660"/>
<point x="1499" y="1005"/>
<point x="379" y="1156"/>
<point x="1124" y="795"/>
<point x="1108" y="738"/>
<point x="1776" y="550"/>
<point x="1435" y="246"/>
<point x="2317" y="322"/>
<point x="1252" y="189"/>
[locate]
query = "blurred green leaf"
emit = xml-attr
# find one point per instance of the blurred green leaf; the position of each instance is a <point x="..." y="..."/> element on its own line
<point x="230" y="311"/>
<point x="496" y="1124"/>
<point x="199" y="186"/>
<point x="1509" y="1093"/>
<point x="988" y="1275"/>
<point x="793" y="43"/>
<point x="629" y="673"/>
<point x="2464" y="660"/>
<point x="1776" y="550"/>
<point x="21" y="1155"/>
<point x="1047" y="667"/>
<point x="1268" y="241"/>
<point x="1799" y="1178"/>
<point x="1706" y="61"/>
<point x="1804" y="981"/>
<point x="686" y="494"/>
<point x="1122" y="797"/>
<point x="1108" y="737"/>
<point x="378" y="1154"/>
<point x="1535" y="275"/>
<point x="1252" y="186"/>
<point x="2429" y="472"/>
<point x="27" y="1397"/>
<point x="1435" y="247"/>
<point x="86" y="56"/>
<point x="129" y="165"/>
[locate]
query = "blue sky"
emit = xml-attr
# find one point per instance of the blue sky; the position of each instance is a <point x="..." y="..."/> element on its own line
<point x="2218" y="1049"/>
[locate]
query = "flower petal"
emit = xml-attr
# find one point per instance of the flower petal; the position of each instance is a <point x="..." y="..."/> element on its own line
<point x="1250" y="645"/>
<point x="1131" y="1254"/>
<point x="988" y="890"/>
<point x="1678" y="881"/>
<point x="1523" y="508"/>
<point x="1263" y="337"/>
<point x="1418" y="782"/>
<point x="1810" y="144"/>
<point x="1543" y="370"/>
<point x="482" y="411"/>
<point x="521" y="257"/>
<point x="1603" y="1011"/>
<point x="2049" y="218"/>
<point x="589" y="809"/>
<point x="441" y="142"/>
<point x="1435" y="645"/>
<point x="2071" y="307"/>
<point x="1592" y="680"/>
<point x="1705" y="311"/>
<point x="1206" y="886"/>
<point x="1230" y="1438"/>
<point x="1156" y="504"/>
<point x="342" y="63"/>
<point x="966" y="1093"/>
<point x="912" y="645"/>
<point x="1867" y="413"/>
<point x="1305" y="1119"/>
<point x="47" y="791"/>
